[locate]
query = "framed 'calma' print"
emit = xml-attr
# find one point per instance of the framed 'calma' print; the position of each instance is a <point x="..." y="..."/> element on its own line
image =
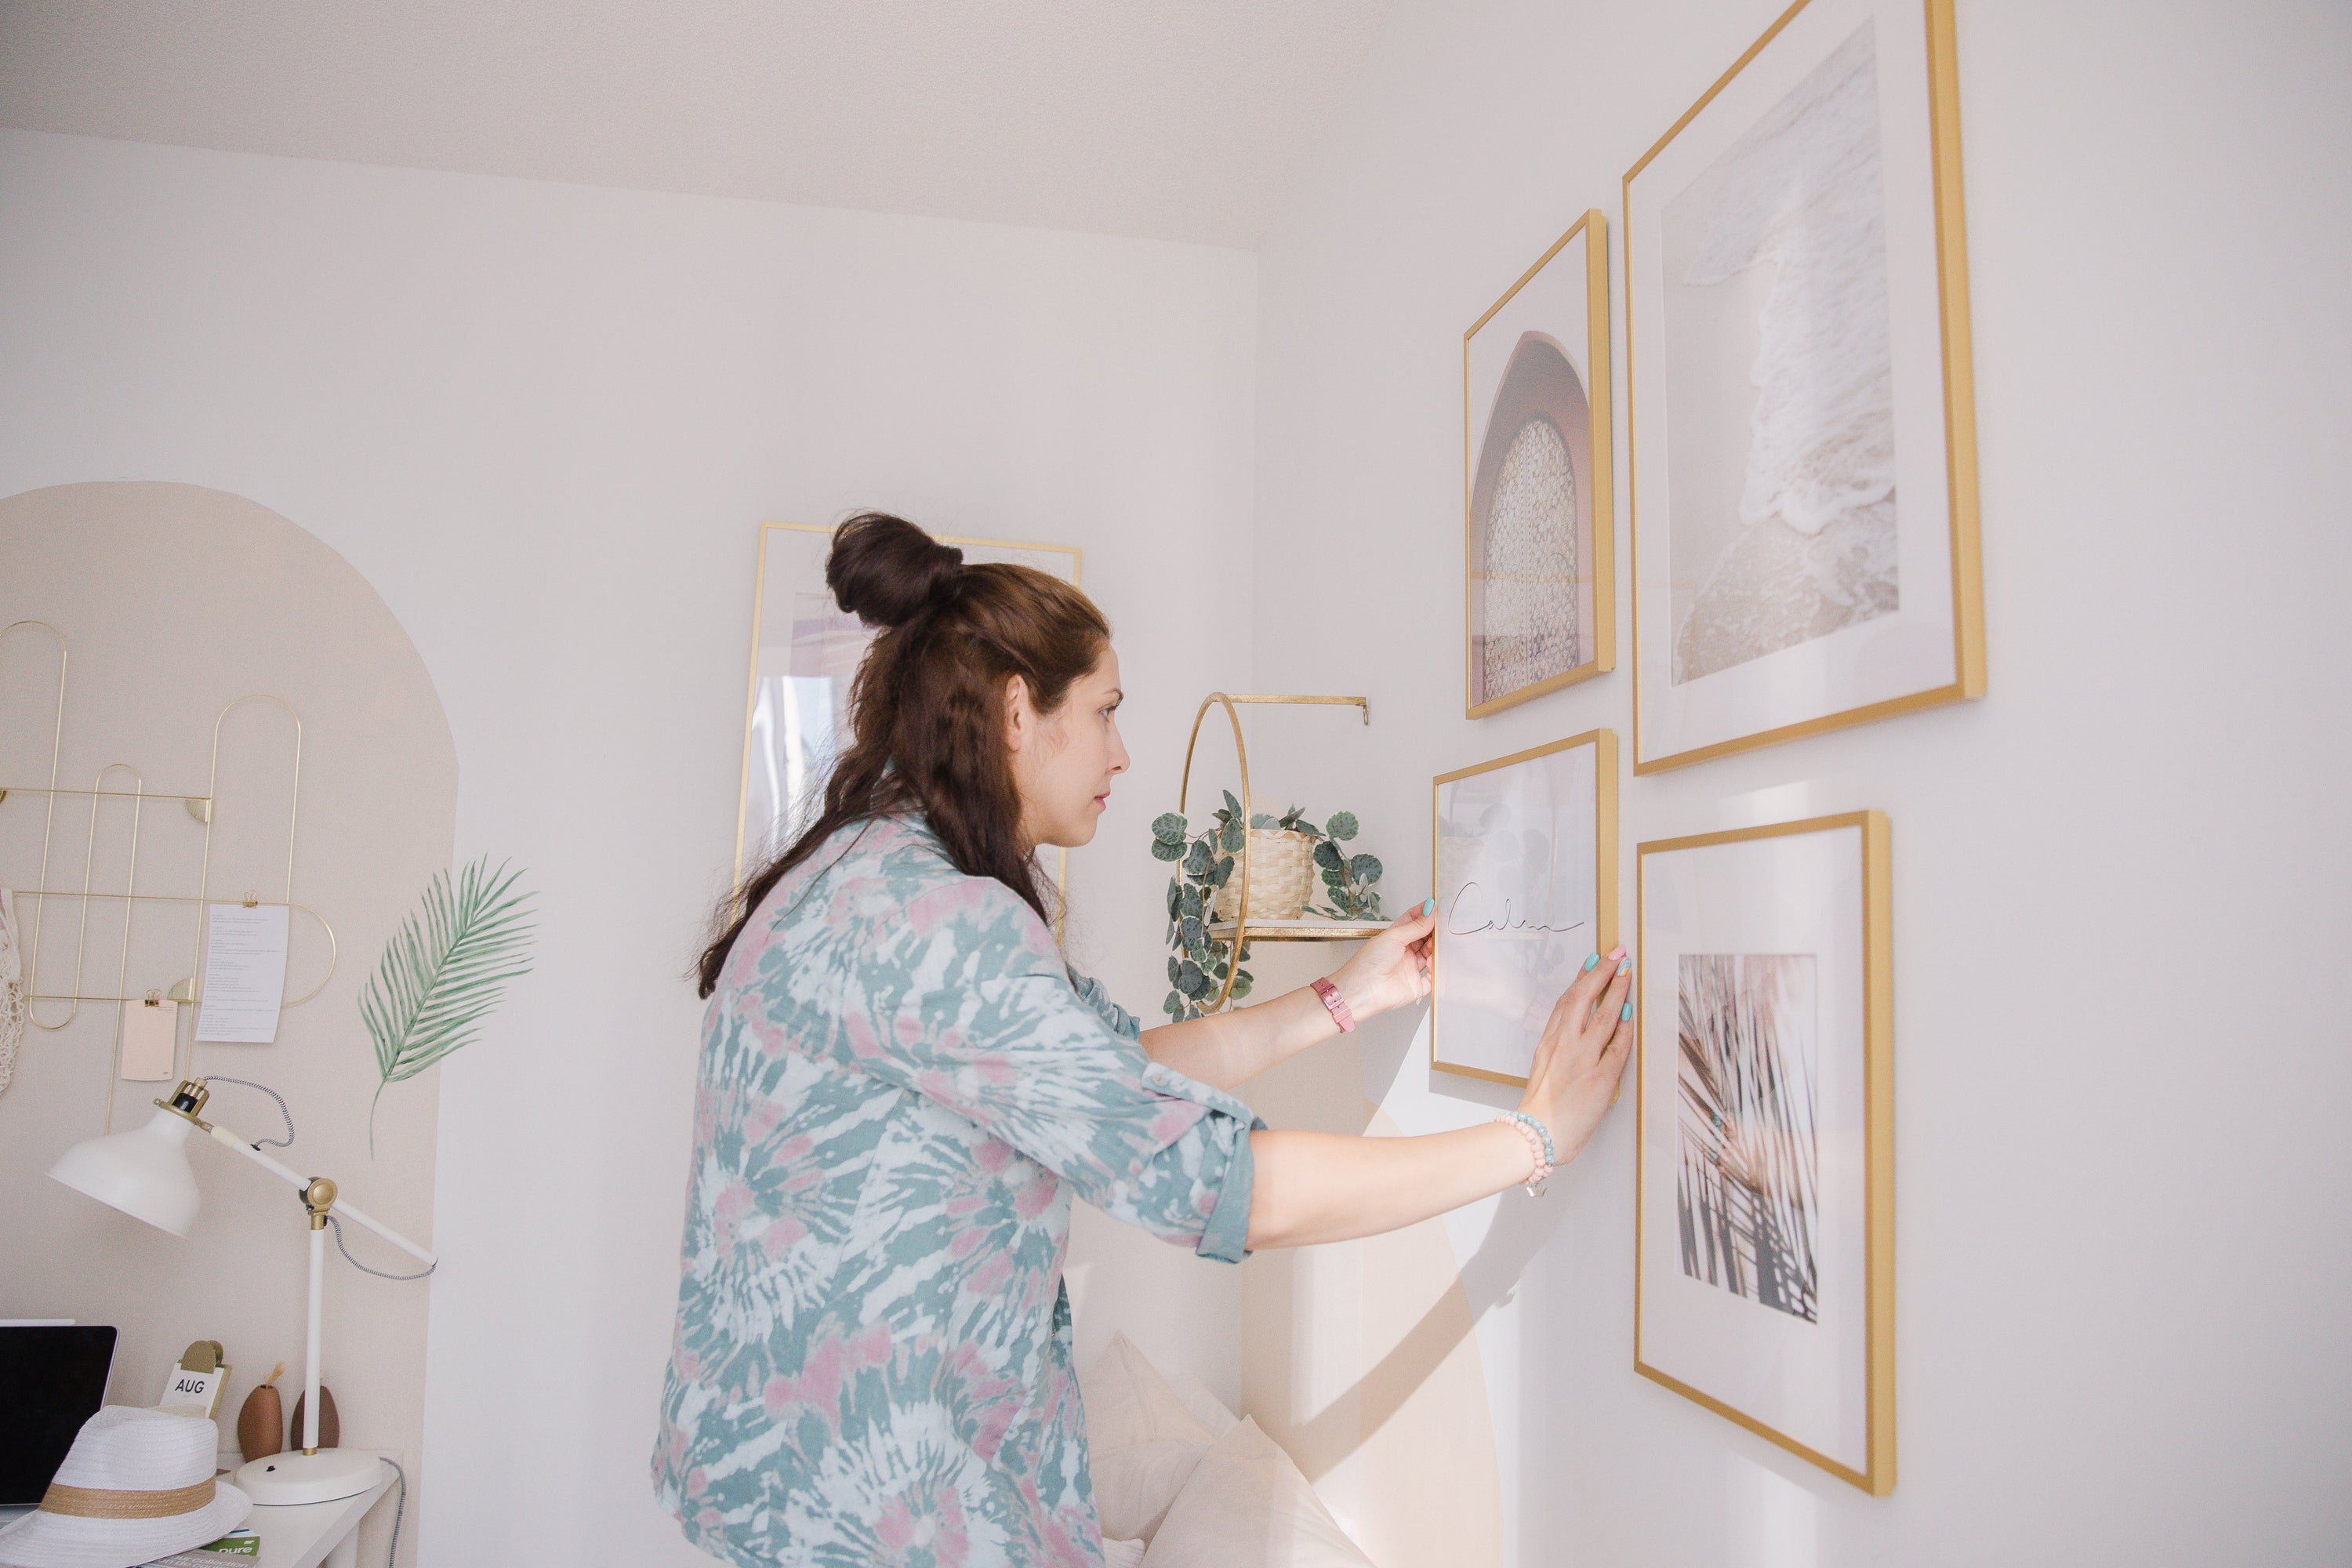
<point x="1539" y="524"/>
<point x="1800" y="420"/>
<point x="1526" y="872"/>
<point x="804" y="653"/>
<point x="1764" y="1247"/>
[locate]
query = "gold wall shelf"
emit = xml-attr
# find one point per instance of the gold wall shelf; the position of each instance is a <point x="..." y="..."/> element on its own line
<point x="1300" y="930"/>
<point x="1241" y="930"/>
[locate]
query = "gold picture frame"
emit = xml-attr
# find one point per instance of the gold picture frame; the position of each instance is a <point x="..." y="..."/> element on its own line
<point x="1605" y="846"/>
<point x="760" y="638"/>
<point x="1939" y="163"/>
<point x="1876" y="1474"/>
<point x="1595" y="506"/>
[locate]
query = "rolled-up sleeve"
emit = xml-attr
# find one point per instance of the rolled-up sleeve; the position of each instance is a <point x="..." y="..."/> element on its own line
<point x="973" y="1007"/>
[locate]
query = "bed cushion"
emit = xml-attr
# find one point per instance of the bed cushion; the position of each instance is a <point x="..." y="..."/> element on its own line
<point x="1142" y="1441"/>
<point x="1246" y="1506"/>
<point x="1206" y="1407"/>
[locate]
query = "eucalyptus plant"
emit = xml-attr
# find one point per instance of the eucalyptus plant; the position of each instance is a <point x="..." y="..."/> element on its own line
<point x="442" y="971"/>
<point x="1206" y="862"/>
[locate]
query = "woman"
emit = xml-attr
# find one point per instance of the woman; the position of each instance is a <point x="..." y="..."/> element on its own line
<point x="903" y="1085"/>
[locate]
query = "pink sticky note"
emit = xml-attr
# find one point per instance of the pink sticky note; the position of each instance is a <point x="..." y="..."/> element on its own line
<point x="150" y="1037"/>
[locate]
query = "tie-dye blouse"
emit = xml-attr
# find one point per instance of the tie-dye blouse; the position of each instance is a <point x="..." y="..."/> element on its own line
<point x="902" y="1085"/>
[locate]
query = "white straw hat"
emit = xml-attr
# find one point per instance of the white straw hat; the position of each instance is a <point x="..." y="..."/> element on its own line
<point x="137" y="1485"/>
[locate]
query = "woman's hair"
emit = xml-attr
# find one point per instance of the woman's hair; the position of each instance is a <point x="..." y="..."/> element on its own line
<point x="927" y="709"/>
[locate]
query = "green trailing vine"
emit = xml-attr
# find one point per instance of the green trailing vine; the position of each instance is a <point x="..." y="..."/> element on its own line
<point x="1206" y="861"/>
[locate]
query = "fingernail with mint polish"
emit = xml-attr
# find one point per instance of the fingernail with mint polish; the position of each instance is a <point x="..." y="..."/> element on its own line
<point x="1592" y="963"/>
<point x="1625" y="1014"/>
<point x="1429" y="906"/>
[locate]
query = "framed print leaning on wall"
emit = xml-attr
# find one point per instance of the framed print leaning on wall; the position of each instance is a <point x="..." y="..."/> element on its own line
<point x="1526" y="872"/>
<point x="804" y="653"/>
<point x="1800" y="422"/>
<point x="1538" y="525"/>
<point x="1764" y="1239"/>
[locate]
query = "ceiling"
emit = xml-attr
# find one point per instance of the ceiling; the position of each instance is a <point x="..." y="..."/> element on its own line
<point x="1166" y="119"/>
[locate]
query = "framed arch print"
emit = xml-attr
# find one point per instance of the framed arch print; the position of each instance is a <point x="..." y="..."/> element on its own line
<point x="1801" y="424"/>
<point x="804" y="653"/>
<point x="1538" y="524"/>
<point x="1764" y="1163"/>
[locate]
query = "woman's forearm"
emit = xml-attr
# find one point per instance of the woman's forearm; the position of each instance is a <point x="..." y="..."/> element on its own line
<point x="1235" y="1046"/>
<point x="1323" y="1187"/>
<point x="1389" y="971"/>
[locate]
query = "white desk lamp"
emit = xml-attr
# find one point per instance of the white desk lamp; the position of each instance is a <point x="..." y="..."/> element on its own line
<point x="146" y="1174"/>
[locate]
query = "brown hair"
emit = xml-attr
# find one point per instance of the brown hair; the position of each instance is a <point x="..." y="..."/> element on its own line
<point x="927" y="709"/>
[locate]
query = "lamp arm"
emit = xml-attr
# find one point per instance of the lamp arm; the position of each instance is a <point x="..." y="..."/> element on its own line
<point x="229" y="1140"/>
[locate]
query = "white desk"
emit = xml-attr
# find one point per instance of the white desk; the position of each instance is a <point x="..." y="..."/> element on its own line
<point x="312" y="1535"/>
<point x="300" y="1535"/>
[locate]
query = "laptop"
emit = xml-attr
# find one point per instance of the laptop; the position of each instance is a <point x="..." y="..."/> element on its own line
<point x="52" y="1378"/>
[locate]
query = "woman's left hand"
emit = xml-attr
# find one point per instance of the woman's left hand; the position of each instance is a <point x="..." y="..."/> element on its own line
<point x="1392" y="970"/>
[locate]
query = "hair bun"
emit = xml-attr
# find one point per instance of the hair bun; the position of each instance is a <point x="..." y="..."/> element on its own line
<point x="886" y="571"/>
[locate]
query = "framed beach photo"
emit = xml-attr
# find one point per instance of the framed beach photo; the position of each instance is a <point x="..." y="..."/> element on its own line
<point x="1800" y="421"/>
<point x="1524" y="849"/>
<point x="1536" y="473"/>
<point x="804" y="653"/>
<point x="1764" y="1243"/>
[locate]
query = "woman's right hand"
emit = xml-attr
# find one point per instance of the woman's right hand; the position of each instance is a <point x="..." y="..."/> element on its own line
<point x="1583" y="1054"/>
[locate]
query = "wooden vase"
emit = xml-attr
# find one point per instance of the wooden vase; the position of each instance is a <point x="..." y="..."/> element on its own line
<point x="331" y="1427"/>
<point x="261" y="1423"/>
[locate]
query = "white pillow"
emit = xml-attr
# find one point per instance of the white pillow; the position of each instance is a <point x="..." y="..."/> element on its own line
<point x="1246" y="1506"/>
<point x="1122" y="1553"/>
<point x="1142" y="1441"/>
<point x="1206" y="1407"/>
<point x="1128" y="1402"/>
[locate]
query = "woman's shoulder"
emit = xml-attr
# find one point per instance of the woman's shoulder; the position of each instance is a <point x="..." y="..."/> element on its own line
<point x="892" y="869"/>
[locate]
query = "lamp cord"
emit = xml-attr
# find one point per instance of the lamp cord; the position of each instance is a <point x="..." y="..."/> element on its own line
<point x="336" y="1224"/>
<point x="284" y="1142"/>
<point x="399" y="1507"/>
<point x="332" y="1220"/>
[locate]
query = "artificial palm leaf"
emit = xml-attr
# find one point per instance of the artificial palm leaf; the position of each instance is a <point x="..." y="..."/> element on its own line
<point x="443" y="971"/>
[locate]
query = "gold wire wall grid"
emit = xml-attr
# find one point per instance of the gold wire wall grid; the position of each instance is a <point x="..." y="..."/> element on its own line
<point x="1764" y="1161"/>
<point x="121" y="782"/>
<point x="1497" y="957"/>
<point x="1539" y="522"/>
<point x="1804" y="507"/>
<point x="1241" y="930"/>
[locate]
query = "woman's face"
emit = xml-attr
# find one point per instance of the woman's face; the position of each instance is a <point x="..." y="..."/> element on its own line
<point x="1062" y="761"/>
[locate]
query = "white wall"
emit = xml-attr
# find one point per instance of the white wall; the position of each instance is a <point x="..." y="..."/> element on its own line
<point x="544" y="422"/>
<point x="2121" y="1257"/>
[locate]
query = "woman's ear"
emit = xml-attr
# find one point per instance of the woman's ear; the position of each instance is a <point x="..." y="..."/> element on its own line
<point x="1020" y="717"/>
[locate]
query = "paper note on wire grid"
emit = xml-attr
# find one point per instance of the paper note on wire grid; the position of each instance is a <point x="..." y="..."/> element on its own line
<point x="245" y="973"/>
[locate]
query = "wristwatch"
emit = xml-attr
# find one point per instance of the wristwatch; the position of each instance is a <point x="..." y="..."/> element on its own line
<point x="1335" y="1004"/>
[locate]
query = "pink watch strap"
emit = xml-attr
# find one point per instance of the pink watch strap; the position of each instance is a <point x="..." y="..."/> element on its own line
<point x="1335" y="1004"/>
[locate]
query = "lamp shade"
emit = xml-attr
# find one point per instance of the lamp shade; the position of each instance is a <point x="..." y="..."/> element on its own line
<point x="145" y="1173"/>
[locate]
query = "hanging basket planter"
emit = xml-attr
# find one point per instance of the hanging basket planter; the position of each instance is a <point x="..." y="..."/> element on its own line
<point x="1281" y="878"/>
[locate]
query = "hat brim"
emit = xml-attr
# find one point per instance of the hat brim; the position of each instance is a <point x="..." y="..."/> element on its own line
<point x="42" y="1540"/>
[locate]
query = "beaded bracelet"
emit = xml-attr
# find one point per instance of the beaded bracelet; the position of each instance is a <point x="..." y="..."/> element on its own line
<point x="1539" y="1145"/>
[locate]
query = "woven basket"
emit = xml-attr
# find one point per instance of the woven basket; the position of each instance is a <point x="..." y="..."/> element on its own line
<point x="1282" y="877"/>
